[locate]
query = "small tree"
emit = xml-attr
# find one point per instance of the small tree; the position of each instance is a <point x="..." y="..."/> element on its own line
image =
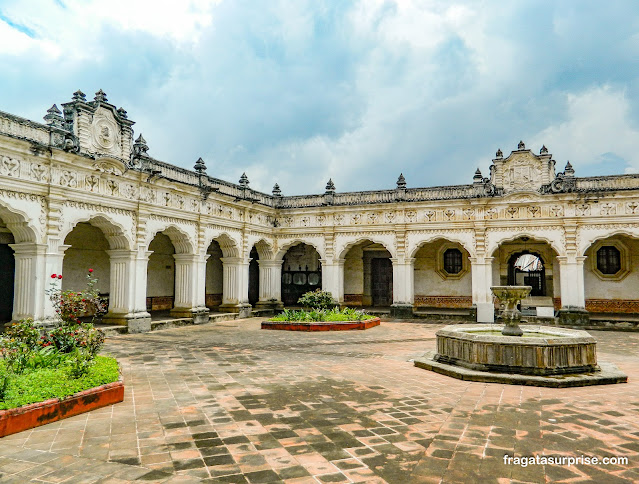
<point x="317" y="299"/>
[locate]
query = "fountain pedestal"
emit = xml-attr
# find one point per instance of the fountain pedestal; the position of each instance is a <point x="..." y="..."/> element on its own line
<point x="510" y="296"/>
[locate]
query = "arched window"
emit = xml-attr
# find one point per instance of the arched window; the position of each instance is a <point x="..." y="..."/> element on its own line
<point x="608" y="259"/>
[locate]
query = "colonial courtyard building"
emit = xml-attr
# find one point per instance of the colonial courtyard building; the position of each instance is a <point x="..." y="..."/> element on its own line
<point x="81" y="191"/>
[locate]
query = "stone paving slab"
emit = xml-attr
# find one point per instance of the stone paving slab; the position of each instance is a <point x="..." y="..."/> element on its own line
<point x="228" y="402"/>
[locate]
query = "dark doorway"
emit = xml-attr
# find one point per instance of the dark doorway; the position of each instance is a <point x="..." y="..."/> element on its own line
<point x="382" y="282"/>
<point x="7" y="274"/>
<point x="254" y="278"/>
<point x="527" y="269"/>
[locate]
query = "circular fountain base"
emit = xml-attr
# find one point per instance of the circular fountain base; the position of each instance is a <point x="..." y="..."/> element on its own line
<point x="543" y="356"/>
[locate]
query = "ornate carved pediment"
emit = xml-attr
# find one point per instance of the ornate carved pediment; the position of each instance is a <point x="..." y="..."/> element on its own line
<point x="523" y="196"/>
<point x="522" y="171"/>
<point x="105" y="132"/>
<point x="109" y="165"/>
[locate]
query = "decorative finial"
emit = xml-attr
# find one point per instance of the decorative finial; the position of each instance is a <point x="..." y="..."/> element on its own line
<point x="521" y="146"/>
<point x="54" y="110"/>
<point x="543" y="150"/>
<point x="499" y="154"/>
<point x="79" y="96"/>
<point x="53" y="117"/>
<point x="330" y="186"/>
<point x="140" y="147"/>
<point x="569" y="170"/>
<point x="276" y="191"/>
<point x="401" y="182"/>
<point x="477" y="178"/>
<point x="100" y="96"/>
<point x="122" y="113"/>
<point x="200" y="167"/>
<point x="244" y="181"/>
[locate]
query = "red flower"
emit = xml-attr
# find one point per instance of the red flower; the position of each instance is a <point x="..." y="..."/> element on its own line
<point x="53" y="276"/>
<point x="90" y="270"/>
<point x="59" y="276"/>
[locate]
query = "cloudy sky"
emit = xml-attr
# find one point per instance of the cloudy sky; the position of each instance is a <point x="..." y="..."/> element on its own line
<point x="297" y="91"/>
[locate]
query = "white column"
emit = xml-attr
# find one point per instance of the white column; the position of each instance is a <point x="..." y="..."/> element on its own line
<point x="403" y="287"/>
<point x="572" y="282"/>
<point x="333" y="278"/>
<point x="190" y="274"/>
<point x="482" y="278"/>
<point x="30" y="281"/>
<point x="270" y="281"/>
<point x="54" y="260"/>
<point x="235" y="285"/>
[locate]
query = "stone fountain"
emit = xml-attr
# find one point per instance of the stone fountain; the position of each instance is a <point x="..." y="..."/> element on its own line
<point x="537" y="355"/>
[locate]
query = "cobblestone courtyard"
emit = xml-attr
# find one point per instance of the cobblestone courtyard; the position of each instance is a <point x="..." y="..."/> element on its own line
<point x="227" y="402"/>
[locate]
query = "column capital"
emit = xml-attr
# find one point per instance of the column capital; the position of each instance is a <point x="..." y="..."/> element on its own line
<point x="481" y="260"/>
<point x="235" y="260"/>
<point x="29" y="248"/>
<point x="270" y="263"/>
<point x="189" y="258"/>
<point x="564" y="259"/>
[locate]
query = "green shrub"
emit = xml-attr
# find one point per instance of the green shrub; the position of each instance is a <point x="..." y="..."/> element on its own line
<point x="317" y="315"/>
<point x="317" y="299"/>
<point x="44" y="383"/>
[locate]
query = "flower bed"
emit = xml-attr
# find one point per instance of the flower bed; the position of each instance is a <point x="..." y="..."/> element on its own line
<point x="49" y="375"/>
<point x="321" y="325"/>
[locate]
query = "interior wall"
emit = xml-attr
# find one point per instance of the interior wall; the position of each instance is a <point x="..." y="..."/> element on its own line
<point x="427" y="280"/>
<point x="357" y="272"/>
<point x="214" y="270"/>
<point x="597" y="288"/>
<point x="161" y="268"/>
<point x="87" y="251"/>
<point x="7" y="273"/>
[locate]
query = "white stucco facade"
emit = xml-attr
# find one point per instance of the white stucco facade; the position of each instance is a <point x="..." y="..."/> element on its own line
<point x="77" y="192"/>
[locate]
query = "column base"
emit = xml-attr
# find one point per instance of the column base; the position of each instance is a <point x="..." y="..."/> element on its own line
<point x="401" y="311"/>
<point x="573" y="316"/>
<point x="199" y="315"/>
<point x="485" y="312"/>
<point x="243" y="310"/>
<point x="269" y="305"/>
<point x="135" y="322"/>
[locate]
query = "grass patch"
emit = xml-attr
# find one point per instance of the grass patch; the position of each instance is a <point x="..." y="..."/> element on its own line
<point x="45" y="383"/>
<point x="319" y="315"/>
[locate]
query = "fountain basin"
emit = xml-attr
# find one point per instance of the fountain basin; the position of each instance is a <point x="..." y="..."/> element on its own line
<point x="541" y="351"/>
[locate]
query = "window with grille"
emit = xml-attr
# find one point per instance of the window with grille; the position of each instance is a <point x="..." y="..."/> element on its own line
<point x="453" y="261"/>
<point x="608" y="260"/>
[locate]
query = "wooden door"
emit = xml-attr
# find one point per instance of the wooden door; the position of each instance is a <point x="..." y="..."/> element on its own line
<point x="382" y="282"/>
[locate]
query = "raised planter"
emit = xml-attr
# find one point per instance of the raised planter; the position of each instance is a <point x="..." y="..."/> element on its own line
<point x="320" y="325"/>
<point x="27" y="417"/>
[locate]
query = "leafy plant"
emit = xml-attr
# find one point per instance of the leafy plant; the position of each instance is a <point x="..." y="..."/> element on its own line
<point x="317" y="299"/>
<point x="45" y="357"/>
<point x="70" y="306"/>
<point x="25" y="332"/>
<point x="315" y="315"/>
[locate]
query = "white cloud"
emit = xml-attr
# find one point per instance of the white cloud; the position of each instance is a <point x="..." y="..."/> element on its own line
<point x="597" y="124"/>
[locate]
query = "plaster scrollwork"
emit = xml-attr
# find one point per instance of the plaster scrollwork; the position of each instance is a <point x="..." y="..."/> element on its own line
<point x="321" y="220"/>
<point x="590" y="233"/>
<point x="513" y="212"/>
<point x="148" y="195"/>
<point x="631" y="207"/>
<point x="338" y="219"/>
<point x="305" y="221"/>
<point x="389" y="217"/>
<point x="607" y="209"/>
<point x="9" y="166"/>
<point x="534" y="211"/>
<point x="582" y="209"/>
<point x="430" y="215"/>
<point x="469" y="213"/>
<point x="109" y="167"/>
<point x="449" y="214"/>
<point x="91" y="183"/>
<point x="411" y="216"/>
<point x="112" y="186"/>
<point x="554" y="235"/>
<point x="38" y="172"/>
<point x="356" y="218"/>
<point x="556" y="210"/>
<point x="373" y="218"/>
<point x="491" y="213"/>
<point x="68" y="179"/>
<point x="288" y="221"/>
<point x="129" y="191"/>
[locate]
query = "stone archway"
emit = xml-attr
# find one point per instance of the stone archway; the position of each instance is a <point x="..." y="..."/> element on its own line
<point x="301" y="272"/>
<point x="368" y="275"/>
